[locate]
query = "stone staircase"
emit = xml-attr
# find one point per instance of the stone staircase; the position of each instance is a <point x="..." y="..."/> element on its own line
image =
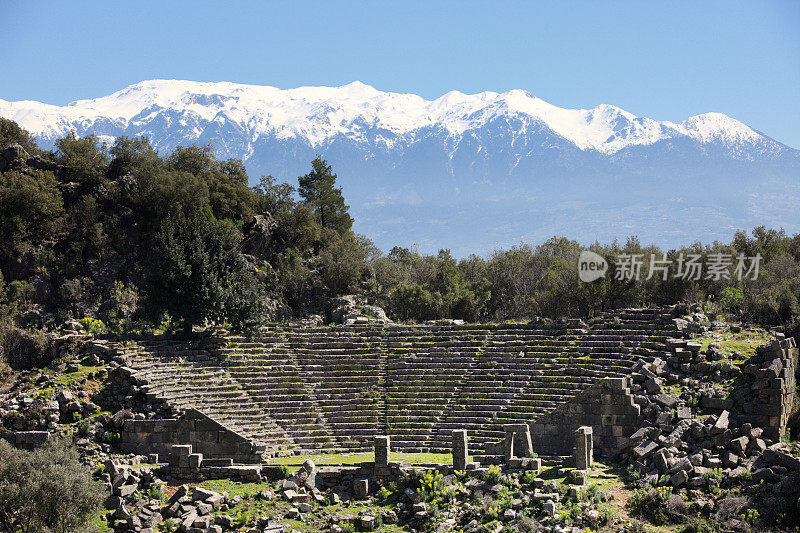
<point x="332" y="389"/>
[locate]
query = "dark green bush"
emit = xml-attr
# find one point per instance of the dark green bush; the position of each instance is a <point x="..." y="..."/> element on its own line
<point x="651" y="504"/>
<point x="25" y="349"/>
<point x="46" y="490"/>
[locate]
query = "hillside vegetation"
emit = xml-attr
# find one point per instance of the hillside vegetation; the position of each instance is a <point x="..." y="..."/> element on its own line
<point x="136" y="241"/>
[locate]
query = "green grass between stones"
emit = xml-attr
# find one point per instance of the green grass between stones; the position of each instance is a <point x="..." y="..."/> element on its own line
<point x="355" y="458"/>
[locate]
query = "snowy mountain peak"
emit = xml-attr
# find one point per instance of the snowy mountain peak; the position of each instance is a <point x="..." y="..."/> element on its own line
<point x="710" y="127"/>
<point x="317" y="115"/>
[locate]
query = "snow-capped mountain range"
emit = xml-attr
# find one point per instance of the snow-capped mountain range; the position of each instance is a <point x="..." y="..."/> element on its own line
<point x="316" y="115"/>
<point x="451" y="171"/>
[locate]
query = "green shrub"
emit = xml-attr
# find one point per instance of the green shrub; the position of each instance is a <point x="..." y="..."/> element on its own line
<point x="168" y="526"/>
<point x="155" y="492"/>
<point x="383" y="494"/>
<point x="26" y="349"/>
<point x="46" y="490"/>
<point x="83" y="428"/>
<point x="111" y="437"/>
<point x="651" y="504"/>
<point x="412" y="301"/>
<point x="714" y="479"/>
<point x="93" y="326"/>
<point x="701" y="525"/>
<point x="493" y="474"/>
<point x="21" y="292"/>
<point x="5" y="371"/>
<point x="527" y="477"/>
<point x="750" y="516"/>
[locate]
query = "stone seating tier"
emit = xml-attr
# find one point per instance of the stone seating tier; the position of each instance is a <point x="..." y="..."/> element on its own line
<point x="333" y="388"/>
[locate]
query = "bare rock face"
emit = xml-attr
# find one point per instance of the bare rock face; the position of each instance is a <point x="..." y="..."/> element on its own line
<point x="12" y="157"/>
<point x="354" y="309"/>
<point x="259" y="236"/>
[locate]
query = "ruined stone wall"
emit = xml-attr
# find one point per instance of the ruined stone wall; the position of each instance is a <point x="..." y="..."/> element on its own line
<point x="608" y="407"/>
<point x="766" y="394"/>
<point x="26" y="440"/>
<point x="206" y="436"/>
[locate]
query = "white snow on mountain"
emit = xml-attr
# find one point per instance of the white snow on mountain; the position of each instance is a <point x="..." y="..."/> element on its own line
<point x="318" y="114"/>
<point x="467" y="171"/>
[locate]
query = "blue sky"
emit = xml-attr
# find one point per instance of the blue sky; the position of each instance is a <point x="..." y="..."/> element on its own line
<point x="665" y="60"/>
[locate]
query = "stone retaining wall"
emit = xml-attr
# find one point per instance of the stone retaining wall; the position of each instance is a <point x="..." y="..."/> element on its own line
<point x="608" y="407"/>
<point x="206" y="436"/>
<point x="26" y="440"/>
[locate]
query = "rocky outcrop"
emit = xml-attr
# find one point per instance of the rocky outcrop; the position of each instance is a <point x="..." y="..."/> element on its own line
<point x="258" y="236"/>
<point x="354" y="309"/>
<point x="14" y="157"/>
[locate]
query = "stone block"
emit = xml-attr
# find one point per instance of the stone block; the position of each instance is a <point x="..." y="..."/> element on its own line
<point x="195" y="460"/>
<point x="518" y="441"/>
<point x="679" y="478"/>
<point x="644" y="449"/>
<point x="382" y="451"/>
<point x="212" y="436"/>
<point x="508" y="446"/>
<point x="721" y="424"/>
<point x="615" y="384"/>
<point x="361" y="488"/>
<point x="181" y="449"/>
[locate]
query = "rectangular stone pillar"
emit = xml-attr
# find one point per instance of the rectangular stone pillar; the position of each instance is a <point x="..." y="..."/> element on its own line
<point x="460" y="449"/>
<point x="382" y="452"/>
<point x="508" y="447"/>
<point x="584" y="448"/>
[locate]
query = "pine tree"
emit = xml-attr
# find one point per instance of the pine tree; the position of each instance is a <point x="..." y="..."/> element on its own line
<point x="318" y="190"/>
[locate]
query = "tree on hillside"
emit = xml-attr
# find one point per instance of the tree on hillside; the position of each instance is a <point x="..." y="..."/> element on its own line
<point x="84" y="159"/>
<point x="199" y="273"/>
<point x="318" y="190"/>
<point x="31" y="210"/>
<point x="133" y="156"/>
<point x="343" y="263"/>
<point x="11" y="133"/>
<point x="275" y="197"/>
